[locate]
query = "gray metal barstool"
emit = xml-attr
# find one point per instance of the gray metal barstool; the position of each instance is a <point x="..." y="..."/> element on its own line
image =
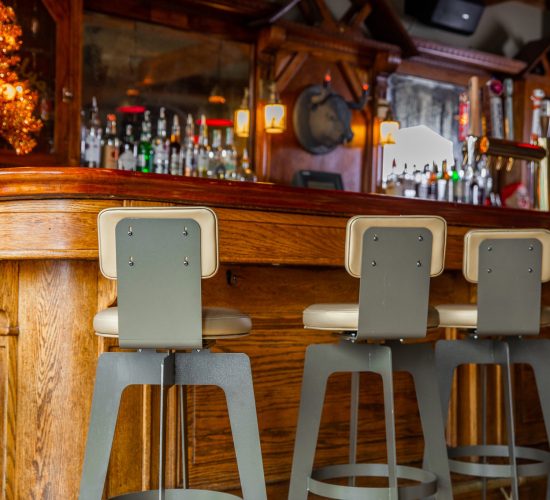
<point x="159" y="256"/>
<point x="508" y="267"/>
<point x="394" y="257"/>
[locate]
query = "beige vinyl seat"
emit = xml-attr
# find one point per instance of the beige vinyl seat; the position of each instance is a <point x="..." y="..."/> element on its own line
<point x="345" y="317"/>
<point x="159" y="257"/>
<point x="394" y="257"/>
<point x="217" y="323"/>
<point x="508" y="267"/>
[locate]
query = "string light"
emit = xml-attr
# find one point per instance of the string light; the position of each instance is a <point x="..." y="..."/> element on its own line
<point x="17" y="100"/>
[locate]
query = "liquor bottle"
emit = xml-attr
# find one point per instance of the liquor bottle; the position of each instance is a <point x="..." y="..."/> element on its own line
<point x="128" y="158"/>
<point x="189" y="165"/>
<point x="145" y="148"/>
<point x="393" y="183"/>
<point x="485" y="181"/>
<point x="455" y="190"/>
<point x="229" y="155"/>
<point x="423" y="188"/>
<point x="93" y="138"/>
<point x="432" y="182"/>
<point x="467" y="188"/>
<point x="83" y="134"/>
<point x="247" y="172"/>
<point x="417" y="176"/>
<point x="161" y="145"/>
<point x="203" y="150"/>
<point x="176" y="160"/>
<point x="111" y="144"/>
<point x="443" y="183"/>
<point x="216" y="168"/>
<point x="407" y="181"/>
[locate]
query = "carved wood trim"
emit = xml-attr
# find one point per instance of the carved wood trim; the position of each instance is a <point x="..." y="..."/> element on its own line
<point x="460" y="58"/>
<point x="346" y="45"/>
<point x="287" y="73"/>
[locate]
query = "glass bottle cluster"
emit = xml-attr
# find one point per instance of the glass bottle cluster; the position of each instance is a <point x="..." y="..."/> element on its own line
<point x="471" y="183"/>
<point x="163" y="153"/>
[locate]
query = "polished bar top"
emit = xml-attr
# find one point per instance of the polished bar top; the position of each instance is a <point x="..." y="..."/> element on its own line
<point x="84" y="183"/>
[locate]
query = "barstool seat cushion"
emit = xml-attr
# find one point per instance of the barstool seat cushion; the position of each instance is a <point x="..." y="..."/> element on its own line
<point x="217" y="323"/>
<point x="465" y="316"/>
<point x="344" y="317"/>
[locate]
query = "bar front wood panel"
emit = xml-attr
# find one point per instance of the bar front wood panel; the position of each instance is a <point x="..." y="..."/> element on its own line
<point x="275" y="262"/>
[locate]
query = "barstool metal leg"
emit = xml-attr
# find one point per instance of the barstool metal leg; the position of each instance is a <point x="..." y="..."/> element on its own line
<point x="483" y="382"/>
<point x="166" y="380"/>
<point x="419" y="361"/>
<point x="233" y="374"/>
<point x="353" y="421"/>
<point x="452" y="353"/>
<point x="510" y="425"/>
<point x="320" y="362"/>
<point x="536" y="353"/>
<point x="183" y="430"/>
<point x="115" y="371"/>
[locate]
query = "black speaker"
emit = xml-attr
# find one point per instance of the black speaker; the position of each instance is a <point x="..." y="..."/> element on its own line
<point x="460" y="16"/>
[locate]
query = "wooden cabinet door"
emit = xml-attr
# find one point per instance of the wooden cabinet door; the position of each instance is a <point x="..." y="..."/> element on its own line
<point x="51" y="63"/>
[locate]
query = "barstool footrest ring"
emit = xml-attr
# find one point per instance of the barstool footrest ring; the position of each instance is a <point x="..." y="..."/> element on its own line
<point x="177" y="494"/>
<point x="317" y="482"/>
<point x="540" y="467"/>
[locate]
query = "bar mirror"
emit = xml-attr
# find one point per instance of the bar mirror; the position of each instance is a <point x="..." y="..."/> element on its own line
<point x="131" y="66"/>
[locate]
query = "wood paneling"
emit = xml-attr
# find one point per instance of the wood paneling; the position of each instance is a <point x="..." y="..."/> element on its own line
<point x="55" y="366"/>
<point x="275" y="262"/>
<point x="8" y="394"/>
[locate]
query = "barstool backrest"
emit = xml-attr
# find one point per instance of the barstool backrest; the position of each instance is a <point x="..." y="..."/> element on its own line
<point x="159" y="256"/>
<point x="473" y="239"/>
<point x="110" y="217"/>
<point x="394" y="257"/>
<point x="509" y="266"/>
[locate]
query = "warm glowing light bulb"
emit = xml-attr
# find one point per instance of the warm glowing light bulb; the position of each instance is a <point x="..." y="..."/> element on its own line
<point x="275" y="118"/>
<point x="242" y="122"/>
<point x="388" y="128"/>
<point x="8" y="91"/>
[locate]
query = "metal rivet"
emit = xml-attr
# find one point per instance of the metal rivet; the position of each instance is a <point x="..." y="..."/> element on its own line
<point x="130" y="232"/>
<point x="375" y="237"/>
<point x="489" y="249"/>
<point x="530" y="270"/>
<point x="418" y="263"/>
<point x="420" y="238"/>
<point x="530" y="248"/>
<point x="186" y="261"/>
<point x="131" y="262"/>
<point x="373" y="263"/>
<point x="185" y="232"/>
<point x="489" y="270"/>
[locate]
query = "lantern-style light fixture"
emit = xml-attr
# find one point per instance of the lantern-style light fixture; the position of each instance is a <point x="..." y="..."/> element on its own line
<point x="274" y="113"/>
<point x="388" y="127"/>
<point x="241" y="119"/>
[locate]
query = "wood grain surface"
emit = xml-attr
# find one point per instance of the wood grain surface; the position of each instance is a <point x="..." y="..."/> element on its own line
<point x="275" y="262"/>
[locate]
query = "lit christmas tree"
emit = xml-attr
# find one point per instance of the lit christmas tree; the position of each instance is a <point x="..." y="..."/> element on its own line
<point x="17" y="100"/>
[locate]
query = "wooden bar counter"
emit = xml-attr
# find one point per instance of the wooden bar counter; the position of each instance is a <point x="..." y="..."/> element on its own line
<point x="281" y="249"/>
